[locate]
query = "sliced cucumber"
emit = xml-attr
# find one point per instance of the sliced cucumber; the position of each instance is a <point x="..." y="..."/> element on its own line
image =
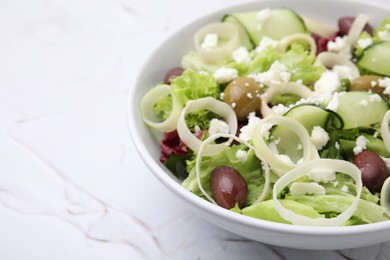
<point x="310" y="115"/>
<point x="376" y="59"/>
<point x="281" y="22"/>
<point x="358" y="109"/>
<point x="244" y="35"/>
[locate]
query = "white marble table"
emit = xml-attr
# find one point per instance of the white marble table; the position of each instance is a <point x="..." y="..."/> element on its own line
<point x="71" y="183"/>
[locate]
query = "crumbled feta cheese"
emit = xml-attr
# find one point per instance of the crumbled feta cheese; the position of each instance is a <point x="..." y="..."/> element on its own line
<point x="249" y="95"/>
<point x="384" y="35"/>
<point x="328" y="83"/>
<point x="337" y="145"/>
<point x="385" y="83"/>
<point x="262" y="16"/>
<point x="218" y="126"/>
<point x="340" y="45"/>
<point x="241" y="155"/>
<point x="210" y="41"/>
<point x="364" y="43"/>
<point x="222" y="95"/>
<point x="374" y="83"/>
<point x="224" y="75"/>
<point x="363" y="102"/>
<point x="344" y="72"/>
<point x="334" y="102"/>
<point x="375" y="98"/>
<point x="241" y="55"/>
<point x="233" y="104"/>
<point x="335" y="183"/>
<point x="246" y="131"/>
<point x="361" y="144"/>
<point x="277" y="73"/>
<point x="322" y="176"/>
<point x="319" y="137"/>
<point x="375" y="135"/>
<point x="344" y="188"/>
<point x="265" y="43"/>
<point x="302" y="188"/>
<point x="280" y="109"/>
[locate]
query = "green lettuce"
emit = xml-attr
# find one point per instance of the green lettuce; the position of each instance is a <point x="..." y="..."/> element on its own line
<point x="300" y="65"/>
<point x="190" y="85"/>
<point x="265" y="210"/>
<point x="251" y="171"/>
<point x="297" y="60"/>
<point x="366" y="211"/>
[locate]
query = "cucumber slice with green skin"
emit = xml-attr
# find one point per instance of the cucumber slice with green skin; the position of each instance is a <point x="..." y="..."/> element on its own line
<point x="244" y="35"/>
<point x="375" y="59"/>
<point x="311" y="115"/>
<point x="280" y="23"/>
<point x="357" y="109"/>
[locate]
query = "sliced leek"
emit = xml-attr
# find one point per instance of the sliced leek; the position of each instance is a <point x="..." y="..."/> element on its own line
<point x="213" y="105"/>
<point x="227" y="33"/>
<point x="148" y="114"/>
<point x="276" y="162"/>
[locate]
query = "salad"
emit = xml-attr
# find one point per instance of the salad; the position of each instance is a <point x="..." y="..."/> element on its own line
<point x="281" y="117"/>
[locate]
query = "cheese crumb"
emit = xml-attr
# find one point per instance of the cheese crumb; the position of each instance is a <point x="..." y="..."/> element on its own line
<point x="340" y="45"/>
<point x="375" y="98"/>
<point x="210" y="41"/>
<point x="277" y="73"/>
<point x="361" y="144"/>
<point x="384" y="35"/>
<point x="246" y="131"/>
<point x="241" y="55"/>
<point x="224" y="75"/>
<point x="319" y="137"/>
<point x="322" y="176"/>
<point x="241" y="155"/>
<point x="265" y="43"/>
<point x="218" y="126"/>
<point x="364" y="43"/>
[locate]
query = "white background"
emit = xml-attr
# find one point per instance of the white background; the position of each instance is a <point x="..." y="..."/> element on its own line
<point x="71" y="183"/>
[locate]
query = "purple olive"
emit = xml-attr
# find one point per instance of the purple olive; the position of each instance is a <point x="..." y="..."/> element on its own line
<point x="346" y="22"/>
<point x="373" y="169"/>
<point x="172" y="73"/>
<point x="228" y="187"/>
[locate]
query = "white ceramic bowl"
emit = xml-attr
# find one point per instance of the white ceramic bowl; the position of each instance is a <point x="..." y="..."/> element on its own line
<point x="168" y="55"/>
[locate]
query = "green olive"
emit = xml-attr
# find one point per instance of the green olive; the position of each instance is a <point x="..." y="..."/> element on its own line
<point x="366" y="83"/>
<point x="243" y="94"/>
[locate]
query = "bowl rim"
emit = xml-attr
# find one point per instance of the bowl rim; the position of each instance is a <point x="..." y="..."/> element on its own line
<point x="176" y="188"/>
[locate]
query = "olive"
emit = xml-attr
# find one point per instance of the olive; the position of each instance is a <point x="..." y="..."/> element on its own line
<point x="172" y="73"/>
<point x="228" y="187"/>
<point x="373" y="169"/>
<point x="243" y="94"/>
<point x="366" y="83"/>
<point x="346" y="22"/>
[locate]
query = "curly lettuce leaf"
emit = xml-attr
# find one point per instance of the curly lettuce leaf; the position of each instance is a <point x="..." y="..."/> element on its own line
<point x="265" y="210"/>
<point x="251" y="171"/>
<point x="190" y="85"/>
<point x="301" y="65"/>
<point x="366" y="211"/>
